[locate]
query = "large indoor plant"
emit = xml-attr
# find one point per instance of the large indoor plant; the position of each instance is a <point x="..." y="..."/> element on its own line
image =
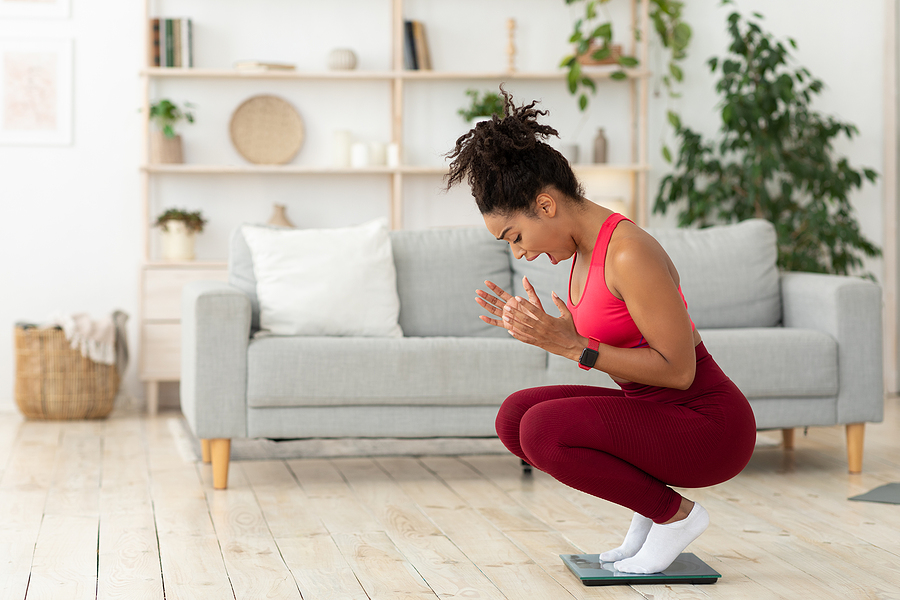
<point x="179" y="228"/>
<point x="774" y="158"/>
<point x="165" y="143"/>
<point x="592" y="36"/>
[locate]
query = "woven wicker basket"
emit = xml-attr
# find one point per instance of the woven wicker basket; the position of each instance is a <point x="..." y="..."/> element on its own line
<point x="54" y="381"/>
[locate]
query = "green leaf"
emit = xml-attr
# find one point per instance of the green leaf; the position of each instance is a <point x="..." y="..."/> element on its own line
<point x="619" y="75"/>
<point x="667" y="154"/>
<point x="601" y="54"/>
<point x="676" y="71"/>
<point x="681" y="35"/>
<point x="567" y="61"/>
<point x="628" y="61"/>
<point x="603" y="31"/>
<point x="674" y="120"/>
<point x="582" y="101"/>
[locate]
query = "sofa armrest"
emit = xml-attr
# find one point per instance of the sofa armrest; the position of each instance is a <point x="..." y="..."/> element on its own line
<point x="848" y="309"/>
<point x="215" y="333"/>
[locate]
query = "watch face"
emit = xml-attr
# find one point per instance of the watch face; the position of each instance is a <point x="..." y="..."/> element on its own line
<point x="588" y="357"/>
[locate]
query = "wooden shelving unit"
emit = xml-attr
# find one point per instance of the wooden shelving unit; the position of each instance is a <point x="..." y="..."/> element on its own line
<point x="160" y="330"/>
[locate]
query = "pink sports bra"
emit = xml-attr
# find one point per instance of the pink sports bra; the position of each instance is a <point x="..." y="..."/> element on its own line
<point x="599" y="314"/>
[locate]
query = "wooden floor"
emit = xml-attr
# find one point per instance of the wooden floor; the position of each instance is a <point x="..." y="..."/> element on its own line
<point x="121" y="509"/>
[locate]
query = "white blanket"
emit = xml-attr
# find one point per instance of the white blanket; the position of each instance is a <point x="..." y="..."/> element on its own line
<point x="102" y="340"/>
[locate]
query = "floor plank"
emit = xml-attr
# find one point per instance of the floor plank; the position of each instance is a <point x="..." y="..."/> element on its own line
<point x="121" y="508"/>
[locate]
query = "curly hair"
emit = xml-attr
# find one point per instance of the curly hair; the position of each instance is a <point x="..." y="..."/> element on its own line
<point x="507" y="164"/>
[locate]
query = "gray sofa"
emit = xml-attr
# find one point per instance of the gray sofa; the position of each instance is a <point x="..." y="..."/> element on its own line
<point x="804" y="348"/>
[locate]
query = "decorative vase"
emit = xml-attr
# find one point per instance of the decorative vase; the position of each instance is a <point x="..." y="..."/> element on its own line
<point x="600" y="147"/>
<point x="342" y="59"/>
<point x="164" y="150"/>
<point x="177" y="241"/>
<point x="279" y="217"/>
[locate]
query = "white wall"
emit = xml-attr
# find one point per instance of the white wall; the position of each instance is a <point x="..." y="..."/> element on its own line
<point x="70" y="237"/>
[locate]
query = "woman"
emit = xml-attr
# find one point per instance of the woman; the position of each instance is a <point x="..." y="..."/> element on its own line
<point x="677" y="419"/>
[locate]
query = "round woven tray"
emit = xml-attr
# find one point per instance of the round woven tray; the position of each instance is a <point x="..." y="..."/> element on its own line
<point x="267" y="130"/>
<point x="54" y="381"/>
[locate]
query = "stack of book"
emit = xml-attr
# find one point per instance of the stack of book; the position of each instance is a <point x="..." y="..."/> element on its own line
<point x="416" y="55"/>
<point x="171" y="43"/>
<point x="254" y="66"/>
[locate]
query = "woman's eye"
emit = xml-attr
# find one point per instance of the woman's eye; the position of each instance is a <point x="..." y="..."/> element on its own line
<point x="518" y="239"/>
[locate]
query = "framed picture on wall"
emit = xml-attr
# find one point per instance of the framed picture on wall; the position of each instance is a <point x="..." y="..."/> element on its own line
<point x="36" y="92"/>
<point x="37" y="9"/>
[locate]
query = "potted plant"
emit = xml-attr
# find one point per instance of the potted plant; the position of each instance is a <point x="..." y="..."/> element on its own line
<point x="482" y="108"/>
<point x="592" y="36"/>
<point x="165" y="144"/>
<point x="775" y="159"/>
<point x="179" y="228"/>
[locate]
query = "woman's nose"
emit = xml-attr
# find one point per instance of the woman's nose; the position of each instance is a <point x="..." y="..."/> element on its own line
<point x="517" y="251"/>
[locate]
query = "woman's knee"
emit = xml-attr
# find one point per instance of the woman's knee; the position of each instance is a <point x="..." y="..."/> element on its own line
<point x="540" y="435"/>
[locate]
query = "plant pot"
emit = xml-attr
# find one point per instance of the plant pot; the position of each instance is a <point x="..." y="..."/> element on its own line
<point x="615" y="51"/>
<point x="177" y="241"/>
<point x="165" y="150"/>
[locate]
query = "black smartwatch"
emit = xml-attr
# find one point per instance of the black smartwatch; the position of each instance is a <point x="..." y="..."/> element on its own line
<point x="590" y="354"/>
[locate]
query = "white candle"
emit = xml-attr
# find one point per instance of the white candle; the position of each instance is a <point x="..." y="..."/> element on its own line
<point x="340" y="149"/>
<point x="377" y="154"/>
<point x="393" y="155"/>
<point x="359" y="155"/>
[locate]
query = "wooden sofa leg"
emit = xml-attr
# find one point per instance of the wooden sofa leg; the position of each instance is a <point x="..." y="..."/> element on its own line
<point x="205" y="451"/>
<point x="787" y="437"/>
<point x="855" y="435"/>
<point x="220" y="451"/>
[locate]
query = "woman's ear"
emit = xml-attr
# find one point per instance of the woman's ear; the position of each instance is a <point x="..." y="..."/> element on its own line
<point x="546" y="204"/>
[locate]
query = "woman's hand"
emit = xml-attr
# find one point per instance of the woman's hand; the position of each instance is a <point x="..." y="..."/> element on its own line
<point x="527" y="321"/>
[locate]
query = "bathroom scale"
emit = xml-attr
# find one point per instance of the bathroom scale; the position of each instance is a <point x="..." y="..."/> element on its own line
<point x="687" y="568"/>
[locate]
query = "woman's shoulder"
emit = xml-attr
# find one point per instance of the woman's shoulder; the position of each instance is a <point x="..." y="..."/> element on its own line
<point x="633" y="252"/>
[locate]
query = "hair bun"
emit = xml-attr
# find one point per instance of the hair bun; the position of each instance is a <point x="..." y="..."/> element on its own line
<point x="506" y="161"/>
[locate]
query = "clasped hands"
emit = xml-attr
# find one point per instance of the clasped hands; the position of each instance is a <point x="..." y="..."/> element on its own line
<point x="527" y="321"/>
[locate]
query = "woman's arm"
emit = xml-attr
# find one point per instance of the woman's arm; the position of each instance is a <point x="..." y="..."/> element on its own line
<point x="639" y="272"/>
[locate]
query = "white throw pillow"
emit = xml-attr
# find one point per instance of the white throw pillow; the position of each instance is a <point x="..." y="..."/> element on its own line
<point x="326" y="281"/>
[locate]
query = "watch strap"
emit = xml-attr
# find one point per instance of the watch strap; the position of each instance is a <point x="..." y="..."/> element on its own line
<point x="590" y="354"/>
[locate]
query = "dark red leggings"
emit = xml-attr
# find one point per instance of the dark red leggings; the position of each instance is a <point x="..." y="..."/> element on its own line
<point x="629" y="445"/>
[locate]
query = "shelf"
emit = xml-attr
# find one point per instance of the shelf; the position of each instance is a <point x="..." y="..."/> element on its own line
<point x="185" y="264"/>
<point x="312" y="170"/>
<point x="174" y="72"/>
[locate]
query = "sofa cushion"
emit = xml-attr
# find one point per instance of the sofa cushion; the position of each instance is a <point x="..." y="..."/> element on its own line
<point x="776" y="362"/>
<point x="328" y="371"/>
<point x="438" y="271"/>
<point x="544" y="276"/>
<point x="338" y="281"/>
<point x="240" y="271"/>
<point x="728" y="273"/>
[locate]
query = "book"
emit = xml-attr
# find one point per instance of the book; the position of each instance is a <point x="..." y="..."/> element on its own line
<point x="188" y="43"/>
<point x="423" y="56"/>
<point x="409" y="47"/>
<point x="176" y="43"/>
<point x="153" y="56"/>
<point x="169" y="44"/>
<point x="255" y="65"/>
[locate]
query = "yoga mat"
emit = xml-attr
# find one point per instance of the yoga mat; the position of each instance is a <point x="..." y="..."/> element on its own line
<point x="888" y="493"/>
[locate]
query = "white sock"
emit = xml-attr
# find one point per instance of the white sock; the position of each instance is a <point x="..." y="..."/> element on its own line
<point x="634" y="539"/>
<point x="665" y="542"/>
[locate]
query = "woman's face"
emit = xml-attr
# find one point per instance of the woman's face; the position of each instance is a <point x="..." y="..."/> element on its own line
<point x="529" y="236"/>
